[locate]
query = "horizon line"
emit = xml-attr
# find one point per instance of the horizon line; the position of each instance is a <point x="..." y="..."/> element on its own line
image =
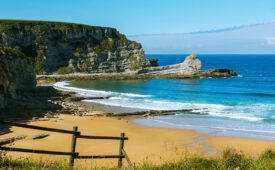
<point x="209" y="54"/>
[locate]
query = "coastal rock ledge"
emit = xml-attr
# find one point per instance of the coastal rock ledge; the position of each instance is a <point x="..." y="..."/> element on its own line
<point x="190" y="68"/>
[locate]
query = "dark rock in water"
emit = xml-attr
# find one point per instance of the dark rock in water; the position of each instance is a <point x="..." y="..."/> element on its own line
<point x="149" y="113"/>
<point x="75" y="98"/>
<point x="154" y="62"/>
<point x="218" y="73"/>
<point x="40" y="136"/>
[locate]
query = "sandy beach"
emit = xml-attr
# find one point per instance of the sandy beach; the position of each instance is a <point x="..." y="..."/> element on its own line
<point x="146" y="144"/>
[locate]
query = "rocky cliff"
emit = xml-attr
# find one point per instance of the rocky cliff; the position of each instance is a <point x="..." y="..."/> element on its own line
<point x="16" y="75"/>
<point x="68" y="47"/>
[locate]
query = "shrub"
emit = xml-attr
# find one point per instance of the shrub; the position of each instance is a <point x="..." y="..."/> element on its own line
<point x="134" y="63"/>
<point x="104" y="47"/>
<point x="64" y="70"/>
<point x="267" y="154"/>
<point x="39" y="65"/>
<point x="232" y="159"/>
<point x="134" y="66"/>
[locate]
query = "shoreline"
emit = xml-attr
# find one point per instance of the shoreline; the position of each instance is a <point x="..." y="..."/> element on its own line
<point x="147" y="120"/>
<point x="150" y="122"/>
<point x="146" y="144"/>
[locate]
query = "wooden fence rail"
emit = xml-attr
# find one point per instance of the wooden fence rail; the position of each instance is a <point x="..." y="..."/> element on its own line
<point x="73" y="154"/>
<point x="39" y="127"/>
<point x="37" y="151"/>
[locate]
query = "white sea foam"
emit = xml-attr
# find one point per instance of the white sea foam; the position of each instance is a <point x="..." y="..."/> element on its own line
<point x="88" y="92"/>
<point x="239" y="75"/>
<point x="251" y="112"/>
<point x="83" y="92"/>
<point x="241" y="117"/>
<point x="217" y="110"/>
<point x="134" y="95"/>
<point x="212" y="109"/>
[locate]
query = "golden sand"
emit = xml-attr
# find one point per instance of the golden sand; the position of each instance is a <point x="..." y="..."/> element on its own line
<point x="145" y="144"/>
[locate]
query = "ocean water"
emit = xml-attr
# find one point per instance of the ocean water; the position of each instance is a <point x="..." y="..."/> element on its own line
<point x="236" y="106"/>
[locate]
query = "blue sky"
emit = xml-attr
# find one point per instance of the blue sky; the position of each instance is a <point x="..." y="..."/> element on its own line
<point x="145" y="16"/>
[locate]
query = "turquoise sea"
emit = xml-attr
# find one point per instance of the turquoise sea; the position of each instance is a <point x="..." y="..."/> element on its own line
<point x="237" y="106"/>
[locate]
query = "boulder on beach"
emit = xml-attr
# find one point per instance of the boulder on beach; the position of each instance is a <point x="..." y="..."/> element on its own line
<point x="40" y="136"/>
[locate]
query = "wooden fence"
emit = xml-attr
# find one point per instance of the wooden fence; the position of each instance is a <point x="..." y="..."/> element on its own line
<point x="73" y="154"/>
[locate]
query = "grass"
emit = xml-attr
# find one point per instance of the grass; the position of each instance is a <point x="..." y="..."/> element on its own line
<point x="8" y="163"/>
<point x="230" y="159"/>
<point x="15" y="24"/>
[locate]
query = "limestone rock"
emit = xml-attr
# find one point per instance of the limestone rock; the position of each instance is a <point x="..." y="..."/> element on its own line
<point x="190" y="66"/>
<point x="76" y="47"/>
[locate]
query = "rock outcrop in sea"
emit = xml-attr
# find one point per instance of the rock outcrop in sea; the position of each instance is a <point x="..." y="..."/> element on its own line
<point x="190" y="66"/>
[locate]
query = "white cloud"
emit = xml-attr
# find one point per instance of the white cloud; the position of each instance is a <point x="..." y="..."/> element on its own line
<point x="270" y="41"/>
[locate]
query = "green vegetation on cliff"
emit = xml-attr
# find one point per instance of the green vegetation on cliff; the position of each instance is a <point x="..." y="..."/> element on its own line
<point x="5" y="51"/>
<point x="111" y="44"/>
<point x="36" y="25"/>
<point x="135" y="65"/>
<point x="64" y="70"/>
<point x="39" y="65"/>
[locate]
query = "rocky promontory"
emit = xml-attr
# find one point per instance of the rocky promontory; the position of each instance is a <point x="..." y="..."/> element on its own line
<point x="58" y="47"/>
<point x="58" y="51"/>
<point x="66" y="48"/>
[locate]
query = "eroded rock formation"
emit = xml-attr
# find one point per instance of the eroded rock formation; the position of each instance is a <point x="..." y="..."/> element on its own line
<point x="190" y="66"/>
<point x="16" y="75"/>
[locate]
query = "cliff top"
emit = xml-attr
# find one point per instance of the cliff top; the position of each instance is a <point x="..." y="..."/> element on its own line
<point x="11" y="24"/>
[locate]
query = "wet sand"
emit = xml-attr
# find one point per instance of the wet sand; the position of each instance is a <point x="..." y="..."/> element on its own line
<point x="145" y="144"/>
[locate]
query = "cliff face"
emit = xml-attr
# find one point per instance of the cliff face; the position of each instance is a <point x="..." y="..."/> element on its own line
<point x="68" y="47"/>
<point x="16" y="75"/>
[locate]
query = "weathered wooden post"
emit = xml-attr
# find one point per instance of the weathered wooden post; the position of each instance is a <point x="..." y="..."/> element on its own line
<point x="72" y="157"/>
<point x="120" y="150"/>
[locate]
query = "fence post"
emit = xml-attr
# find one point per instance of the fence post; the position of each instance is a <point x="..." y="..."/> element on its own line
<point x="72" y="157"/>
<point x="120" y="150"/>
